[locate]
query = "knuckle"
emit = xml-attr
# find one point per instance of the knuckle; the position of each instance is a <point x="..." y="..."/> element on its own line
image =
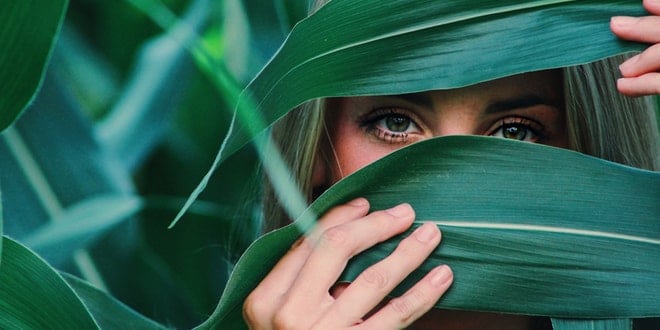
<point x="255" y="309"/>
<point x="301" y="244"/>
<point x="336" y="238"/>
<point x="403" y="308"/>
<point x="350" y="209"/>
<point x="645" y="56"/>
<point x="283" y="319"/>
<point x="410" y="305"/>
<point x="398" y="217"/>
<point x="376" y="278"/>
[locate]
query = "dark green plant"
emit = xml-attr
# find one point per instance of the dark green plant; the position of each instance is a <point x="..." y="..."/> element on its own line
<point x="138" y="94"/>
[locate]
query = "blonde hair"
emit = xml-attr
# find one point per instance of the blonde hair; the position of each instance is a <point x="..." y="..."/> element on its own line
<point x="299" y="138"/>
<point x="603" y="123"/>
<point x="600" y="122"/>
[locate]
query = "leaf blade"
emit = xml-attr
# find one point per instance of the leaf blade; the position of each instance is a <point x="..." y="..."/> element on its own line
<point x="21" y="34"/>
<point x="424" y="46"/>
<point x="33" y="294"/>
<point x="107" y="311"/>
<point x="544" y="272"/>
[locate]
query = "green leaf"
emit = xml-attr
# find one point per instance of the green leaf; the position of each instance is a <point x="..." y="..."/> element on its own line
<point x="108" y="312"/>
<point x="369" y="47"/>
<point x="406" y="46"/>
<point x="268" y="24"/>
<point x="590" y="226"/>
<point x="79" y="225"/>
<point x="567" y="223"/>
<point x="139" y="120"/>
<point x="28" y="30"/>
<point x="1" y="225"/>
<point x="50" y="162"/>
<point x="615" y="324"/>
<point x="34" y="296"/>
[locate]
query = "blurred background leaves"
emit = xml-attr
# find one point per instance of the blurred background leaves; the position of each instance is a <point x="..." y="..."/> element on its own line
<point x="126" y="123"/>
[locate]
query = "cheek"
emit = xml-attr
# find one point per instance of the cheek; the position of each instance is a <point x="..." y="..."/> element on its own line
<point x="352" y="150"/>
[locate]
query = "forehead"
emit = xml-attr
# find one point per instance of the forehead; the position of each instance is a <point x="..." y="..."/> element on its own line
<point x="541" y="85"/>
<point x="546" y="84"/>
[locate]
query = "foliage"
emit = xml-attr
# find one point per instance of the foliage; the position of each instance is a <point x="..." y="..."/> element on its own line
<point x="23" y="36"/>
<point x="538" y="246"/>
<point x="123" y="127"/>
<point x="130" y="112"/>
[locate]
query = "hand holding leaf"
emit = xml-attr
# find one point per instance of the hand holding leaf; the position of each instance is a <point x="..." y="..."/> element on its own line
<point x="641" y="73"/>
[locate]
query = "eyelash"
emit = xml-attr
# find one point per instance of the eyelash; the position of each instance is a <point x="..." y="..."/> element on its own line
<point x="537" y="129"/>
<point x="370" y="124"/>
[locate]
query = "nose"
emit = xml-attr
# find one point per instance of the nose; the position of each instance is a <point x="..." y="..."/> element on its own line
<point x="456" y="121"/>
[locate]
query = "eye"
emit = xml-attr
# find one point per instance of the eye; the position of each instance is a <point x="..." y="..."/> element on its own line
<point x="395" y="123"/>
<point x="391" y="125"/>
<point x="517" y="128"/>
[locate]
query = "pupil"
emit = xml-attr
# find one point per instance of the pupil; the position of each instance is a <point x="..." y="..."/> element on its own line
<point x="514" y="132"/>
<point x="397" y="123"/>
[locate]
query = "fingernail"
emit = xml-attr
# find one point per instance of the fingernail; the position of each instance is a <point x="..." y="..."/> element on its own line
<point x="624" y="20"/>
<point x="360" y="201"/>
<point x="400" y="210"/>
<point x="425" y="233"/>
<point x="441" y="275"/>
<point x="622" y="83"/>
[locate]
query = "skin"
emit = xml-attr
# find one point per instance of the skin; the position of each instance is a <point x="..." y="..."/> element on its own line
<point x="301" y="291"/>
<point x="640" y="74"/>
<point x="527" y="106"/>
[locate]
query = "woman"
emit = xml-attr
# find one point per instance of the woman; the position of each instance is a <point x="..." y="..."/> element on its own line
<point x="553" y="107"/>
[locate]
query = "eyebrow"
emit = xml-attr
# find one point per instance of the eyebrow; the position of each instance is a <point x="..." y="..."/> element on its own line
<point x="420" y="99"/>
<point x="519" y="102"/>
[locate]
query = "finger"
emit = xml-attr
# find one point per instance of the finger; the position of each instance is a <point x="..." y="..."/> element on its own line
<point x="338" y="215"/>
<point x="309" y="295"/>
<point x="371" y="287"/>
<point x="642" y="29"/>
<point x="338" y="244"/>
<point x="261" y="302"/>
<point x="647" y="84"/>
<point x="402" y="311"/>
<point x="645" y="62"/>
<point x="286" y="270"/>
<point x="652" y="6"/>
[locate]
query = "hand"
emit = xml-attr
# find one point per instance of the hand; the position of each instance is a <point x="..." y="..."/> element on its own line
<point x="296" y="293"/>
<point x="641" y="73"/>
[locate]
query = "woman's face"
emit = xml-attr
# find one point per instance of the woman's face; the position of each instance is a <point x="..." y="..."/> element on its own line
<point x="527" y="107"/>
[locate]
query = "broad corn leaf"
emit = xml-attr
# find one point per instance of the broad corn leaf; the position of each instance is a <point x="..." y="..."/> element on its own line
<point x="526" y="228"/>
<point x="373" y="47"/>
<point x="405" y="46"/>
<point x="109" y="312"/>
<point x="34" y="296"/>
<point x="611" y="324"/>
<point x="28" y="30"/>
